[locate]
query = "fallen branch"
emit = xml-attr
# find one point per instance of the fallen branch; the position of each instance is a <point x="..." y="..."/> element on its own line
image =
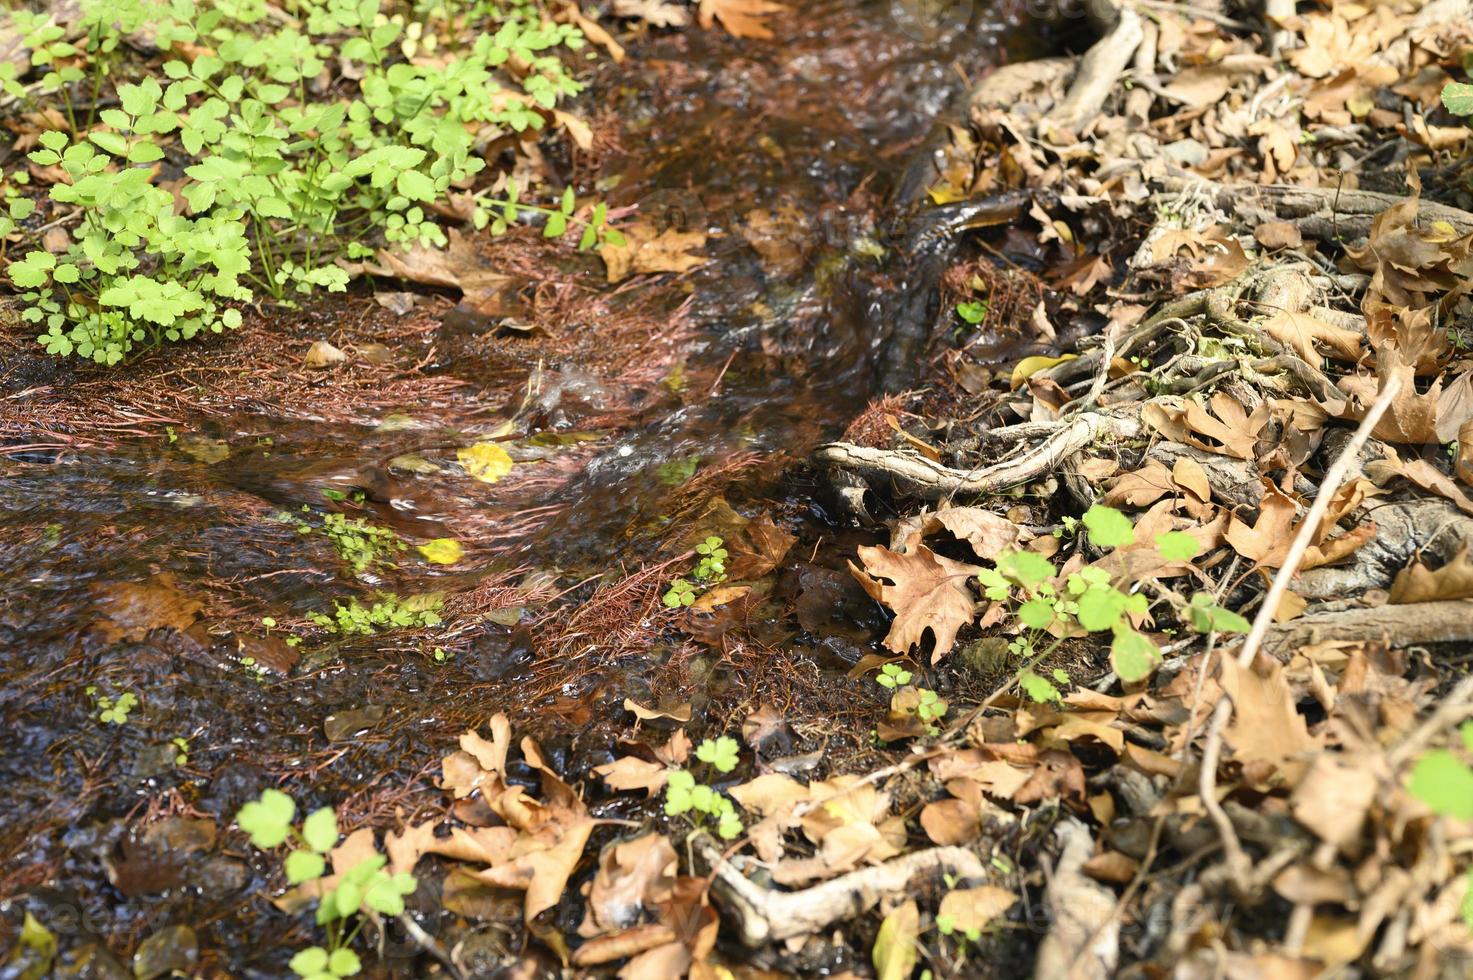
<point x="767" y="915"/>
<point x="1412" y="624"/>
<point x="913" y="474"/>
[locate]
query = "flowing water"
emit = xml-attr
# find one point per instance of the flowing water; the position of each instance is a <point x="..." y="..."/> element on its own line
<point x="788" y="155"/>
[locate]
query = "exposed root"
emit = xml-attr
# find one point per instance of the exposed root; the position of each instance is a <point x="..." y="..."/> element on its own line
<point x="766" y="915"/>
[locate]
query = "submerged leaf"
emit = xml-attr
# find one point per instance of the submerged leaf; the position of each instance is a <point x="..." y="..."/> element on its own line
<point x="485" y="461"/>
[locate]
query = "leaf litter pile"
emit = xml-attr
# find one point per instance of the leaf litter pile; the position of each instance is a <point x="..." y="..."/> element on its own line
<point x="1154" y="636"/>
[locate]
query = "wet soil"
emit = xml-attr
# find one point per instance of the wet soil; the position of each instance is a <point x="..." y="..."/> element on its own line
<point x="637" y="414"/>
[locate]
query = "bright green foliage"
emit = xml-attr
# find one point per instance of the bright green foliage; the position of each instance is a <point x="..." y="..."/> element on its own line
<point x="181" y="750"/>
<point x="721" y="753"/>
<point x="1207" y="616"/>
<point x="712" y="566"/>
<point x="1107" y="527"/>
<point x="931" y="707"/>
<point x="681" y="593"/>
<point x="315" y="963"/>
<point x="269" y="819"/>
<point x="366" y="885"/>
<point x="282" y="176"/>
<point x="1458" y="98"/>
<point x="389" y="612"/>
<point x="1444" y="782"/>
<point x="356" y="541"/>
<point x="684" y="795"/>
<point x="893" y="676"/>
<point x="974" y="312"/>
<point x="1177" y="546"/>
<point x="113" y="711"/>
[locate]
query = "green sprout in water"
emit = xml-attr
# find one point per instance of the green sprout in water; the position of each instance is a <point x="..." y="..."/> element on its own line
<point x="712" y="566"/>
<point x="113" y="711"/>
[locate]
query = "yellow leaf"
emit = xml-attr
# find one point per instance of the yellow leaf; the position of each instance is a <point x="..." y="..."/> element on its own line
<point x="895" y="945"/>
<point x="1029" y="366"/>
<point x="485" y="461"/>
<point x="442" y="551"/>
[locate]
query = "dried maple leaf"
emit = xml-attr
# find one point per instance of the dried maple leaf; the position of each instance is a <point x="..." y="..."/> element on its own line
<point x="1412" y="416"/>
<point x="1308" y="335"/>
<point x="1268" y="540"/>
<point x="929" y="592"/>
<point x="741" y="18"/>
<point x="1267" y="729"/>
<point x="1420" y="472"/>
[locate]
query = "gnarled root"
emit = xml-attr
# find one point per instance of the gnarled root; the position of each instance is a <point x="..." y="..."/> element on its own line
<point x="912" y="474"/>
<point x="766" y="915"/>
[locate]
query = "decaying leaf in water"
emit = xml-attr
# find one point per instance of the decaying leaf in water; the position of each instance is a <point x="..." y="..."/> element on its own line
<point x="128" y="611"/>
<point x="460" y="265"/>
<point x="442" y="551"/>
<point x="929" y="593"/>
<point x="648" y="250"/>
<point x="486" y="461"/>
<point x="1418" y="583"/>
<point x="741" y="18"/>
<point x="206" y="450"/>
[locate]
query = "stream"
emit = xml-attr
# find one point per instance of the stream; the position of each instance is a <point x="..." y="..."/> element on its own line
<point x="787" y="154"/>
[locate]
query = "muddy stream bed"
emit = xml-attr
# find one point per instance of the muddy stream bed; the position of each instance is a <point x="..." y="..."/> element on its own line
<point x="157" y="563"/>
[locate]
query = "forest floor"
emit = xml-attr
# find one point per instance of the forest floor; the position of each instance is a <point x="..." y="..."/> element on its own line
<point x="1024" y="537"/>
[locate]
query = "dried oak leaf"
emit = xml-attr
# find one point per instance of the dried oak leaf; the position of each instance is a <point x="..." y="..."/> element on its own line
<point x="1268" y="540"/>
<point x="1267" y="729"/>
<point x="633" y="875"/>
<point x="929" y="592"/>
<point x="741" y="18"/>
<point x="1418" y="583"/>
<point x="1422" y="473"/>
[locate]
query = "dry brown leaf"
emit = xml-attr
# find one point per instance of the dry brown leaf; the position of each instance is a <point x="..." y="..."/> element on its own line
<point x="1310" y="336"/>
<point x="989" y="534"/>
<point x="679" y="712"/>
<point x="1268" y="541"/>
<point x="1420" y="472"/>
<point x="975" y="908"/>
<point x="741" y="18"/>
<point x="764" y="726"/>
<point x="769" y="794"/>
<point x="929" y="592"/>
<point x="1418" y="583"/>
<point x="1267" y="728"/>
<point x="951" y="821"/>
<point x="460" y="265"/>
<point x="323" y="355"/>
<point x="627" y="772"/>
<point x="1278" y="234"/>
<point x="1333" y="798"/>
<point x="656" y="13"/>
<point x="1231" y="432"/>
<point x="633" y="875"/>
<point x="648" y="250"/>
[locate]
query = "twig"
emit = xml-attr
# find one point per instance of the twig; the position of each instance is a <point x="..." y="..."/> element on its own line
<point x="1237" y="859"/>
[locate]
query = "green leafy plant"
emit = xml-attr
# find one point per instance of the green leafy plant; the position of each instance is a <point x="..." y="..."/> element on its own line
<point x="270" y="822"/>
<point x="681" y="593"/>
<point x="281" y="178"/>
<point x="359" y="543"/>
<point x="683" y="795"/>
<point x="110" y="710"/>
<point x="710" y="568"/>
<point x="893" y="676"/>
<point x="181" y="750"/>
<point x="389" y="612"/>
<point x="972" y="311"/>
<point x="1443" y="780"/>
<point x="1088" y="601"/>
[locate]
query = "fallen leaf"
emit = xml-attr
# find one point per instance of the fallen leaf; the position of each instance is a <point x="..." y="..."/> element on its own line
<point x="1266" y="726"/>
<point x="1418" y="583"/>
<point x="741" y="18"/>
<point x="633" y="875"/>
<point x="975" y="908"/>
<point x="323" y="355"/>
<point x="129" y="611"/>
<point x="1231" y="432"/>
<point x="895" y="949"/>
<point x="656" y="13"/>
<point x="1309" y="336"/>
<point x="1420" y="472"/>
<point x="679" y="712"/>
<point x="485" y="461"/>
<point x="1278" y="234"/>
<point x="646" y="250"/>
<point x="628" y="773"/>
<point x="951" y="821"/>
<point x="929" y="592"/>
<point x="442" y="551"/>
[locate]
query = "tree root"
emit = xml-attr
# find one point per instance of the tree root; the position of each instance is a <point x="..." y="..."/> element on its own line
<point x="912" y="474"/>
<point x="767" y="915"/>
<point x="1099" y="72"/>
<point x="1327" y="213"/>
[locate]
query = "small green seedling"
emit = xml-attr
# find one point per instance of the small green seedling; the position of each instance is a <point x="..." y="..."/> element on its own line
<point x="721" y="752"/>
<point x="972" y="311"/>
<point x="113" y="711"/>
<point x="892" y="676"/>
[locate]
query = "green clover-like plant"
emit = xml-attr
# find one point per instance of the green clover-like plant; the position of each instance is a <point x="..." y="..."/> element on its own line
<point x="721" y="752"/>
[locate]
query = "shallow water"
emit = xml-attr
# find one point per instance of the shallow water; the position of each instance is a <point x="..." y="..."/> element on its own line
<point x="777" y="351"/>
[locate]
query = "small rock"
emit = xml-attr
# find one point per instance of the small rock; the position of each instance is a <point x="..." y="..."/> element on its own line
<point x="324" y="355"/>
<point x="1188" y="152"/>
<point x="397" y="303"/>
<point x="343" y="725"/>
<point x="175" y="949"/>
